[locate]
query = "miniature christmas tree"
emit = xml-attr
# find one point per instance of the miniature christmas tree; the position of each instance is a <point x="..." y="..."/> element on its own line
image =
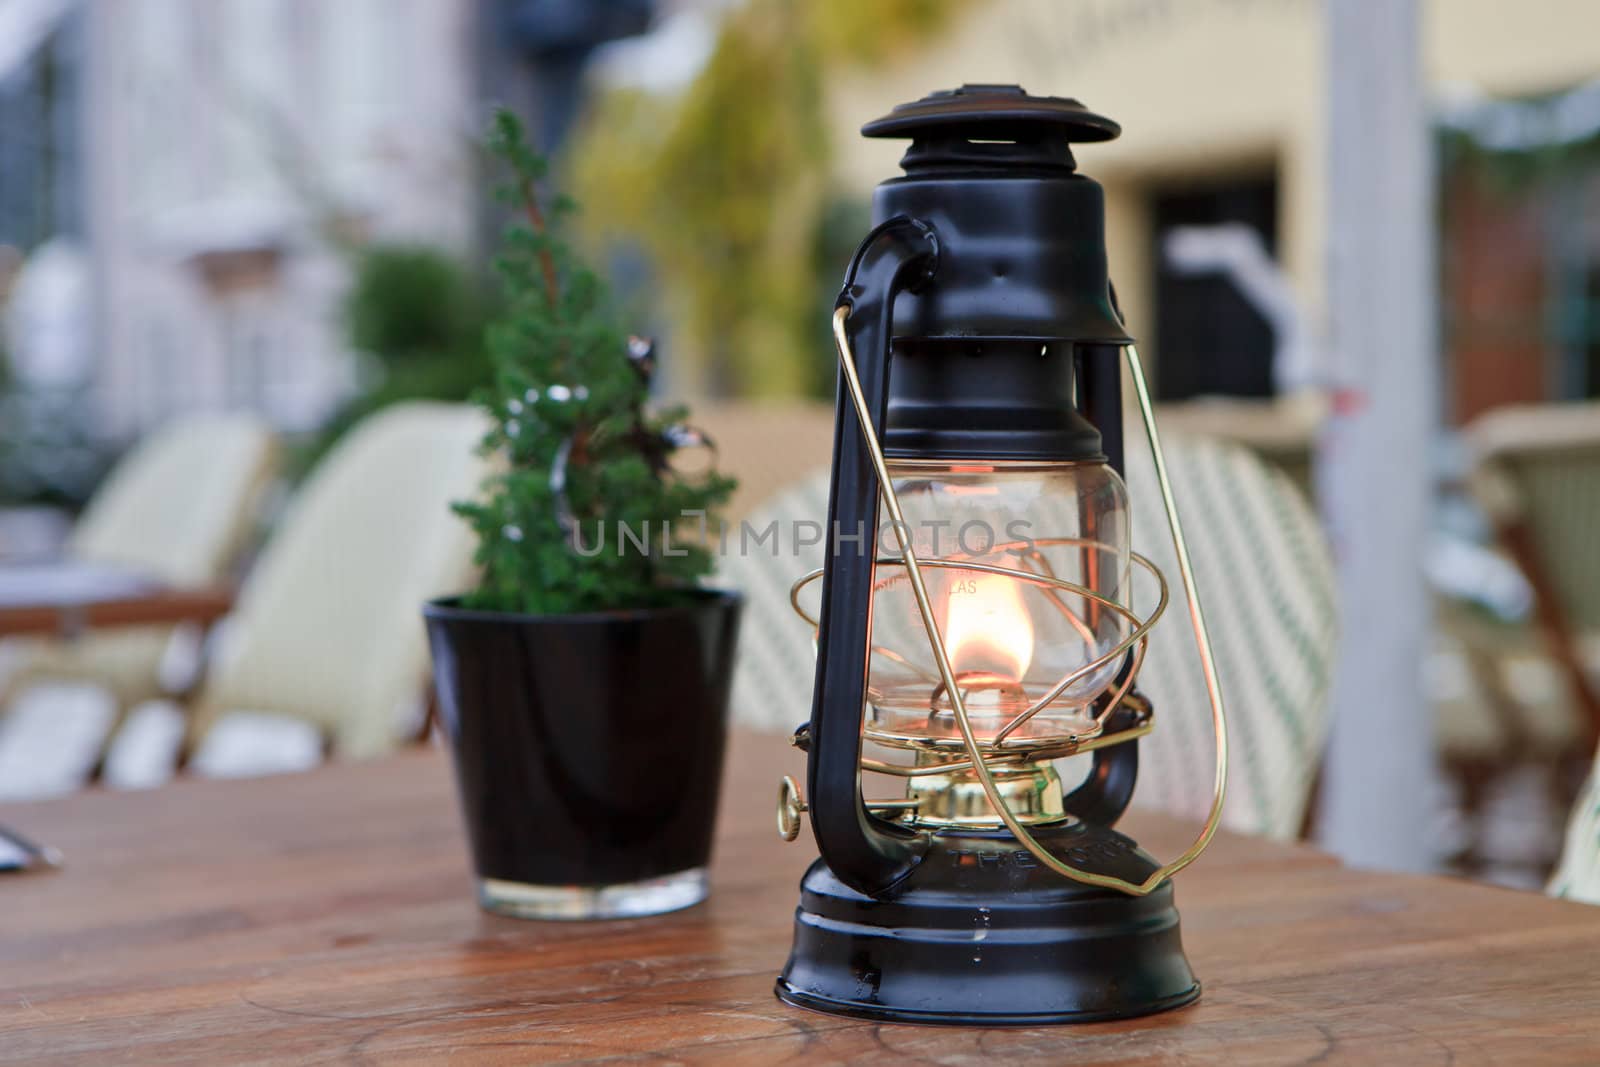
<point x="588" y="512"/>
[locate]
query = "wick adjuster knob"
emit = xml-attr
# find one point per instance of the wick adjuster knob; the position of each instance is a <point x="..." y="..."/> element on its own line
<point x="790" y="808"/>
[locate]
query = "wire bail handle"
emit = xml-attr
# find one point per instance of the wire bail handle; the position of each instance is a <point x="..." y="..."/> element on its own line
<point x="913" y="566"/>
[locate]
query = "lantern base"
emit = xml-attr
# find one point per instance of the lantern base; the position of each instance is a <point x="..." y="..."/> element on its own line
<point x="980" y="934"/>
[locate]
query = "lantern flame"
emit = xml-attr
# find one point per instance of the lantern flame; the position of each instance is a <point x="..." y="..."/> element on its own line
<point x="987" y="630"/>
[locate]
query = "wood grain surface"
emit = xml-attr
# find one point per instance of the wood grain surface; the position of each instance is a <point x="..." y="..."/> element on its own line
<point x="328" y="918"/>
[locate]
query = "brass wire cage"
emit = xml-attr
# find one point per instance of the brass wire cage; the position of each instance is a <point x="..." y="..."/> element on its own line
<point x="1001" y="745"/>
<point x="1004" y="751"/>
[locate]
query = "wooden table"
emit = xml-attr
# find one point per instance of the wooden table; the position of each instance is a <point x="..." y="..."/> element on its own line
<point x="328" y="917"/>
<point x="68" y="598"/>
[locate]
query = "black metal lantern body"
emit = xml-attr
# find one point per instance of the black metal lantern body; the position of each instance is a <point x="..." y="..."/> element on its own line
<point x="980" y="401"/>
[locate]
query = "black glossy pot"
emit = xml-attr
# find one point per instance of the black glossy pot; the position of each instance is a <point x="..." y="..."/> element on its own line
<point x="588" y="750"/>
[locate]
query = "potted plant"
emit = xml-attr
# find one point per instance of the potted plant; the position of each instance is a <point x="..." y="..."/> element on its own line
<point x="584" y="683"/>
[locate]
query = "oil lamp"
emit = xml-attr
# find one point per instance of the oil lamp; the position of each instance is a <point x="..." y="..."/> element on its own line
<point x="986" y="629"/>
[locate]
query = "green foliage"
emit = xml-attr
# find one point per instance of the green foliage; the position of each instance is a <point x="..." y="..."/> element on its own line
<point x="567" y="398"/>
<point x="419" y="312"/>
<point x="47" y="455"/>
<point x="1517" y="172"/>
<point x="742" y="159"/>
<point x="1513" y="173"/>
<point x="414" y="302"/>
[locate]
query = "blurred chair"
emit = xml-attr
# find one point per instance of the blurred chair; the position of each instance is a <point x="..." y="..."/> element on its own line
<point x="1265" y="577"/>
<point x="1536" y="472"/>
<point x="179" y="509"/>
<point x="326" y="649"/>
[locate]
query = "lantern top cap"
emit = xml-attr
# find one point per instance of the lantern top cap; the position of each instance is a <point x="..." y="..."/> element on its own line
<point x="994" y="111"/>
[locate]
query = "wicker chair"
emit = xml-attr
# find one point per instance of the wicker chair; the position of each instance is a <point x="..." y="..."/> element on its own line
<point x="1267" y="580"/>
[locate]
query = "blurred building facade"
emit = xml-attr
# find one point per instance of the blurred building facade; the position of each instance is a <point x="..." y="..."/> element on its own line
<point x="204" y="161"/>
<point x="211" y="161"/>
<point x="1224" y="111"/>
<point x="208" y="166"/>
<point x="232" y="146"/>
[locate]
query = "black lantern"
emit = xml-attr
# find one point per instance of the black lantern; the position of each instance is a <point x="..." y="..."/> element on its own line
<point x="986" y="629"/>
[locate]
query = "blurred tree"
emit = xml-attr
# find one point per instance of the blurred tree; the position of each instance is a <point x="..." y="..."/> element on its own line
<point x="726" y="186"/>
<point x="867" y="33"/>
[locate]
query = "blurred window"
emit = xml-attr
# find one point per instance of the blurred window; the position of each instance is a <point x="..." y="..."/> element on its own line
<point x="1209" y="340"/>
<point x="39" y="165"/>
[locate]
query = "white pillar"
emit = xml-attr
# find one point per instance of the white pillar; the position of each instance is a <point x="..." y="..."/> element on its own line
<point x="1375" y="477"/>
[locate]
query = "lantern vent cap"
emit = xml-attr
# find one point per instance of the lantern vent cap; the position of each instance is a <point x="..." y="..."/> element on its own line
<point x="992" y="124"/>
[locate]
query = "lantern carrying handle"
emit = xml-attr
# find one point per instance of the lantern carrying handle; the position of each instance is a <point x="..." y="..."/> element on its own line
<point x="850" y="383"/>
<point x="867" y="853"/>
